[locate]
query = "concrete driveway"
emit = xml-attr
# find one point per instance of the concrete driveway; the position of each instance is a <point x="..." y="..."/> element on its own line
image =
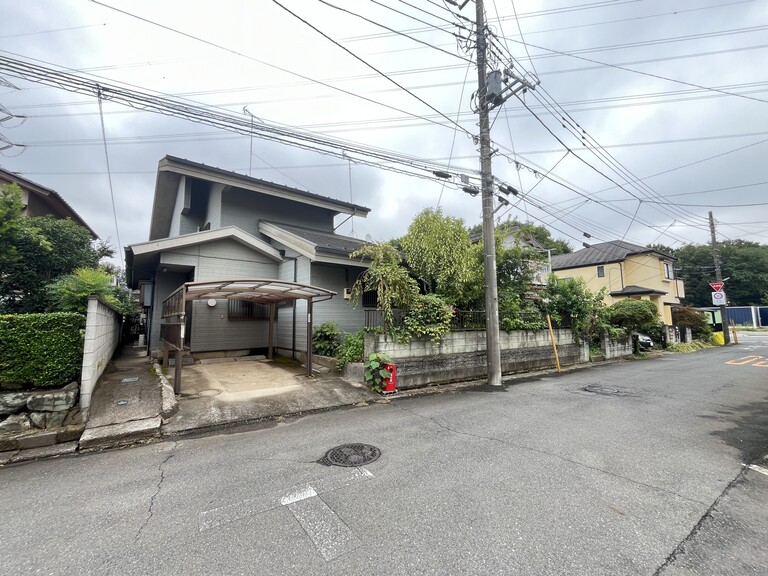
<point x="224" y="391"/>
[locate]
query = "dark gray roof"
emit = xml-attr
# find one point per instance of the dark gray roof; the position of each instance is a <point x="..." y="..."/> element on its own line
<point x="633" y="290"/>
<point x="326" y="242"/>
<point x="295" y="191"/>
<point x="53" y="199"/>
<point x="604" y="253"/>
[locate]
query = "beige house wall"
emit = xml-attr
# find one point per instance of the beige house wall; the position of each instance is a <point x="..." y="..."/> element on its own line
<point x="646" y="270"/>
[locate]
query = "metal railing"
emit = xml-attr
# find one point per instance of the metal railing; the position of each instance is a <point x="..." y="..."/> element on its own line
<point x="462" y="319"/>
<point x="174" y="304"/>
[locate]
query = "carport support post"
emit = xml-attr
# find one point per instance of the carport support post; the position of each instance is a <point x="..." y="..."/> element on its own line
<point x="177" y="371"/>
<point x="271" y="329"/>
<point x="309" y="336"/>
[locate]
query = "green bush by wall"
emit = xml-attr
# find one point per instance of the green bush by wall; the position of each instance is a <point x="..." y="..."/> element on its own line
<point x="40" y="349"/>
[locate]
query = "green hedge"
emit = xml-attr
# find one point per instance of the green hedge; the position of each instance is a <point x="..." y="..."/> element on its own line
<point x="40" y="349"/>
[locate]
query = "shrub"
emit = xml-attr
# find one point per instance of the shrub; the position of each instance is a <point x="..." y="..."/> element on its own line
<point x="686" y="317"/>
<point x="374" y="370"/>
<point x="635" y="315"/>
<point x="40" y="349"/>
<point x="326" y="339"/>
<point x="429" y="316"/>
<point x="351" y="349"/>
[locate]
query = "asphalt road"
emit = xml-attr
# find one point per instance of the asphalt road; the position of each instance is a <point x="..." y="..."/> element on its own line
<point x="541" y="477"/>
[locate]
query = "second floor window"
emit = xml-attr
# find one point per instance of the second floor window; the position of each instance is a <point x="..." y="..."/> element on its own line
<point x="601" y="271"/>
<point x="668" y="270"/>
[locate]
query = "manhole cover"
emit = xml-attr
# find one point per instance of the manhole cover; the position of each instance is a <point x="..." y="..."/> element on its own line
<point x="598" y="389"/>
<point x="352" y="455"/>
<point x="209" y="392"/>
<point x="129" y="380"/>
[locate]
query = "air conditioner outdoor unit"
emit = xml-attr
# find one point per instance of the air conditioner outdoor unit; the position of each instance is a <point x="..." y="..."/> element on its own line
<point x="347" y="293"/>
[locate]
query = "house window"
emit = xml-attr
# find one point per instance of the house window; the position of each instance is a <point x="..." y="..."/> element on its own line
<point x="370" y="299"/>
<point x="601" y="271"/>
<point x="244" y="310"/>
<point x="668" y="270"/>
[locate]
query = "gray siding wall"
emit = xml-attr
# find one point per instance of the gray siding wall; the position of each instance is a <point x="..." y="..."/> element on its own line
<point x="244" y="209"/>
<point x="337" y="309"/>
<point x="285" y="315"/>
<point x="212" y="331"/>
<point x="228" y="259"/>
<point x="211" y="328"/>
<point x="213" y="213"/>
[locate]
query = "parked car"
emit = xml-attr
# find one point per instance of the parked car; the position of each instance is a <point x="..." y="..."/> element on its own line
<point x="644" y="341"/>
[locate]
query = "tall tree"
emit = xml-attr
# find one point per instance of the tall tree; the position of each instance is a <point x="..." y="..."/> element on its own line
<point x="438" y="251"/>
<point x="46" y="249"/>
<point x="10" y="227"/>
<point x="393" y="286"/>
<point x="743" y="263"/>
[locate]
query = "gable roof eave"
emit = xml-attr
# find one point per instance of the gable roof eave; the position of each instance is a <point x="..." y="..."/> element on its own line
<point x="228" y="232"/>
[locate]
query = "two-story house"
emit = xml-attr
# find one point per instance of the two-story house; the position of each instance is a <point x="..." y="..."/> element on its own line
<point x="625" y="270"/>
<point x="41" y="201"/>
<point x="212" y="224"/>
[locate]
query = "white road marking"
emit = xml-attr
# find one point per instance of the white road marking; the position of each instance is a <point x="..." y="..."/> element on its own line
<point x="253" y="506"/>
<point x="757" y="468"/>
<point x="328" y="533"/>
<point x="301" y="494"/>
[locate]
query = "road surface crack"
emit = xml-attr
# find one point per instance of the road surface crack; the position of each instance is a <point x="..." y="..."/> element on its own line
<point x="680" y="548"/>
<point x="151" y="511"/>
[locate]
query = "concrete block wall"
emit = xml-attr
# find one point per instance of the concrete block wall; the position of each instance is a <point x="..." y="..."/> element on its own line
<point x="461" y="355"/>
<point x="615" y="348"/>
<point x="102" y="334"/>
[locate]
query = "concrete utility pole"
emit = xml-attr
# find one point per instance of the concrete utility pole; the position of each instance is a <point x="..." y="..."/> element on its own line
<point x="719" y="278"/>
<point x="493" y="353"/>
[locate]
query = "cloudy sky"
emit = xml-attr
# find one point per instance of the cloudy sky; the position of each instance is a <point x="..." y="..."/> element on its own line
<point x="648" y="113"/>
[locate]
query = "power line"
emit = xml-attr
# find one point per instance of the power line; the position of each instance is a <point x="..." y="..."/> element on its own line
<point x="371" y="66"/>
<point x="263" y="63"/>
<point x="658" y="76"/>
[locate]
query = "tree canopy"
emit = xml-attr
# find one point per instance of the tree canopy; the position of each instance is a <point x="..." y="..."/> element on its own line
<point x="743" y="262"/>
<point x="37" y="251"/>
<point x="438" y="252"/>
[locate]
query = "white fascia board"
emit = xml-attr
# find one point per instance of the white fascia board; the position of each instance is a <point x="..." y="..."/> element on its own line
<point x="289" y="239"/>
<point x="342" y="261"/>
<point x="228" y="232"/>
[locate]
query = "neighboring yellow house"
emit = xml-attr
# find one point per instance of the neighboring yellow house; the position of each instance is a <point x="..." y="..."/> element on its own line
<point x="626" y="271"/>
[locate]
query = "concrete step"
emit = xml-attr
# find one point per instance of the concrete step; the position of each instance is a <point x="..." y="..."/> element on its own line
<point x="115" y="435"/>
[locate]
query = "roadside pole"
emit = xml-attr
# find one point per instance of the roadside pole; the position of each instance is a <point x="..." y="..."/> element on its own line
<point x="493" y="352"/>
<point x="719" y="278"/>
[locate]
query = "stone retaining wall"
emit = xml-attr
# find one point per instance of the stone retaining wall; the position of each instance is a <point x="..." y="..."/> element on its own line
<point x="461" y="355"/>
<point x="32" y="419"/>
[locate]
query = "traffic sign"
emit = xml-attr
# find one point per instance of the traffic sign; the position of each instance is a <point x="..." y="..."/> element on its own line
<point x="717" y="286"/>
<point x="718" y="298"/>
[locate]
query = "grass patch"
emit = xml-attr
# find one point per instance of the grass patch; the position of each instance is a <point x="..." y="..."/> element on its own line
<point x="689" y="347"/>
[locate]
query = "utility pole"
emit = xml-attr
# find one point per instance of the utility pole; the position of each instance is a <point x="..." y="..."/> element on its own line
<point x="719" y="278"/>
<point x="493" y="352"/>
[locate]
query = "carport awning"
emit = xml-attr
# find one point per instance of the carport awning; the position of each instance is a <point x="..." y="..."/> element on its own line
<point x="255" y="290"/>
